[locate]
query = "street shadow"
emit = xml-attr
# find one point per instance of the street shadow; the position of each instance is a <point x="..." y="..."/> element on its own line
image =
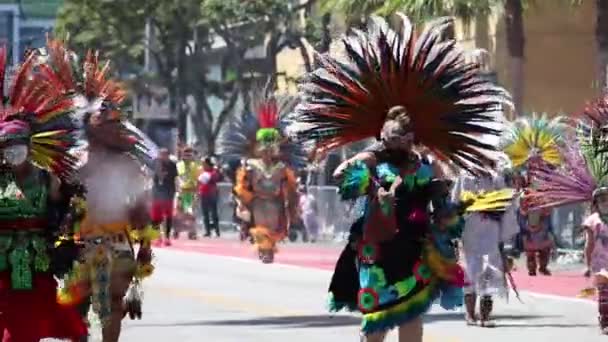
<point x="329" y="321"/>
<point x="312" y="321"/>
<point x="509" y="321"/>
<point x="459" y="316"/>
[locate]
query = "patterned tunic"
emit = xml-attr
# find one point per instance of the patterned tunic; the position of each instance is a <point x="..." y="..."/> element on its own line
<point x="599" y="256"/>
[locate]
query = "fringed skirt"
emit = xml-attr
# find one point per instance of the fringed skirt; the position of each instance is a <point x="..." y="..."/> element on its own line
<point x="393" y="283"/>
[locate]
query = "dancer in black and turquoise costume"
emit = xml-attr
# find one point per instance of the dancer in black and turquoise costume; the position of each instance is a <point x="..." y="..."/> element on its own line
<point x="426" y="105"/>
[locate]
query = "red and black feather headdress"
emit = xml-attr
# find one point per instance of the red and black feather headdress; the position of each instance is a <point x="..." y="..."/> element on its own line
<point x="97" y="95"/>
<point x="448" y="101"/>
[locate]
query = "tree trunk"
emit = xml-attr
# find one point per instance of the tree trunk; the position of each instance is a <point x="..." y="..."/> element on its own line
<point x="516" y="45"/>
<point x="601" y="36"/>
<point x="304" y="53"/>
<point x="325" y="33"/>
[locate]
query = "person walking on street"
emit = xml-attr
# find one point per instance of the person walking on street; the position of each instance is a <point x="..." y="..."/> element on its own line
<point x="309" y="214"/>
<point x="188" y="170"/>
<point x="208" y="193"/>
<point x="163" y="192"/>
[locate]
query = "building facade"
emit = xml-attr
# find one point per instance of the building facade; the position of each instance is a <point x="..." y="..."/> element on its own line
<point x="25" y="24"/>
<point x="559" y="67"/>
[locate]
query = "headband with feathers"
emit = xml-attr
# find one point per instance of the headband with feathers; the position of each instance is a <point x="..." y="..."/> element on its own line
<point x="97" y="97"/>
<point x="448" y="102"/>
<point x="262" y="124"/>
<point x="32" y="113"/>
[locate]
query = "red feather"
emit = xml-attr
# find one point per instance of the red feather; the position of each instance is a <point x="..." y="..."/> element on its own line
<point x="347" y="99"/>
<point x="268" y="114"/>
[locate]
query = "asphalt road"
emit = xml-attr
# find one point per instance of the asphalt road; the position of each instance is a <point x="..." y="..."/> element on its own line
<point x="198" y="297"/>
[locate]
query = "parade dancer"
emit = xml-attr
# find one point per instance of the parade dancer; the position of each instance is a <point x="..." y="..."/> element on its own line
<point x="188" y="170"/>
<point x="485" y="232"/>
<point x="36" y="135"/>
<point x="116" y="208"/>
<point x="528" y="142"/>
<point x="582" y="178"/>
<point x="410" y="91"/>
<point x="538" y="240"/>
<point x="266" y="185"/>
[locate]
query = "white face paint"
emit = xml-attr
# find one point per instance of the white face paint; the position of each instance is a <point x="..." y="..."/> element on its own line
<point x="15" y="154"/>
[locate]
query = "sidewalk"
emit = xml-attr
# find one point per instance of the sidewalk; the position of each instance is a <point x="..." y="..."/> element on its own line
<point x="565" y="281"/>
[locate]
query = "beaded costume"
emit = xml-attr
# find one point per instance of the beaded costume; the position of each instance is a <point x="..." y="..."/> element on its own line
<point x="114" y="179"/>
<point x="35" y="124"/>
<point x="390" y="270"/>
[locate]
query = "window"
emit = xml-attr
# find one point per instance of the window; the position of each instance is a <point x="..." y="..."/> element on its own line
<point x="31" y="38"/>
<point x="7" y="22"/>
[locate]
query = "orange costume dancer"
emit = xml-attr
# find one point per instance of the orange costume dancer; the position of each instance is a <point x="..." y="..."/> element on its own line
<point x="266" y="184"/>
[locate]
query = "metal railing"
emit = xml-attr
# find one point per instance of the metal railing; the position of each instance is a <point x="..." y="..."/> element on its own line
<point x="336" y="216"/>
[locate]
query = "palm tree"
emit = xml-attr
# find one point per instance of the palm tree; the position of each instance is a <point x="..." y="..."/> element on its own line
<point x="355" y="11"/>
<point x="601" y="37"/>
<point x="467" y="9"/>
<point x="516" y="43"/>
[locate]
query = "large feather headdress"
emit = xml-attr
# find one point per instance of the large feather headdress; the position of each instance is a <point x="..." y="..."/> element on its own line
<point x="98" y="97"/>
<point x="446" y="98"/>
<point x="582" y="172"/>
<point x="32" y="113"/>
<point x="262" y="124"/>
<point x="593" y="124"/>
<point x="535" y="138"/>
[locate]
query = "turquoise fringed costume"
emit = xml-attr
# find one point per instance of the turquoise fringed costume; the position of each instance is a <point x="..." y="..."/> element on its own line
<point x="394" y="282"/>
<point x="445" y="231"/>
<point x="409" y="89"/>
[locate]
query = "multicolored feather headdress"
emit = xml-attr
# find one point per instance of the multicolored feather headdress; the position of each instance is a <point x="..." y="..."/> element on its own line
<point x="583" y="171"/>
<point x="593" y="125"/>
<point x="448" y="101"/>
<point x="33" y="114"/>
<point x="262" y="126"/>
<point x="534" y="139"/>
<point x="97" y="97"/>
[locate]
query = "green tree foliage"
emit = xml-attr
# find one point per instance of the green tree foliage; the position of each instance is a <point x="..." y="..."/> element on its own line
<point x="189" y="36"/>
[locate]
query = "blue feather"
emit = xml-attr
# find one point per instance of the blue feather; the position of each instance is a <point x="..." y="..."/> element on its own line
<point x="356" y="181"/>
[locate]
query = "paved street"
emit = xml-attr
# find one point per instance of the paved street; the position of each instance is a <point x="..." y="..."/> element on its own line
<point x="195" y="296"/>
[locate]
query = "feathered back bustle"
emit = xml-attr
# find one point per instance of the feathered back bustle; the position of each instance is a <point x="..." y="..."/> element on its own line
<point x="585" y="163"/>
<point x="581" y="172"/>
<point x="264" y="121"/>
<point x="536" y="137"/>
<point x="446" y="98"/>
